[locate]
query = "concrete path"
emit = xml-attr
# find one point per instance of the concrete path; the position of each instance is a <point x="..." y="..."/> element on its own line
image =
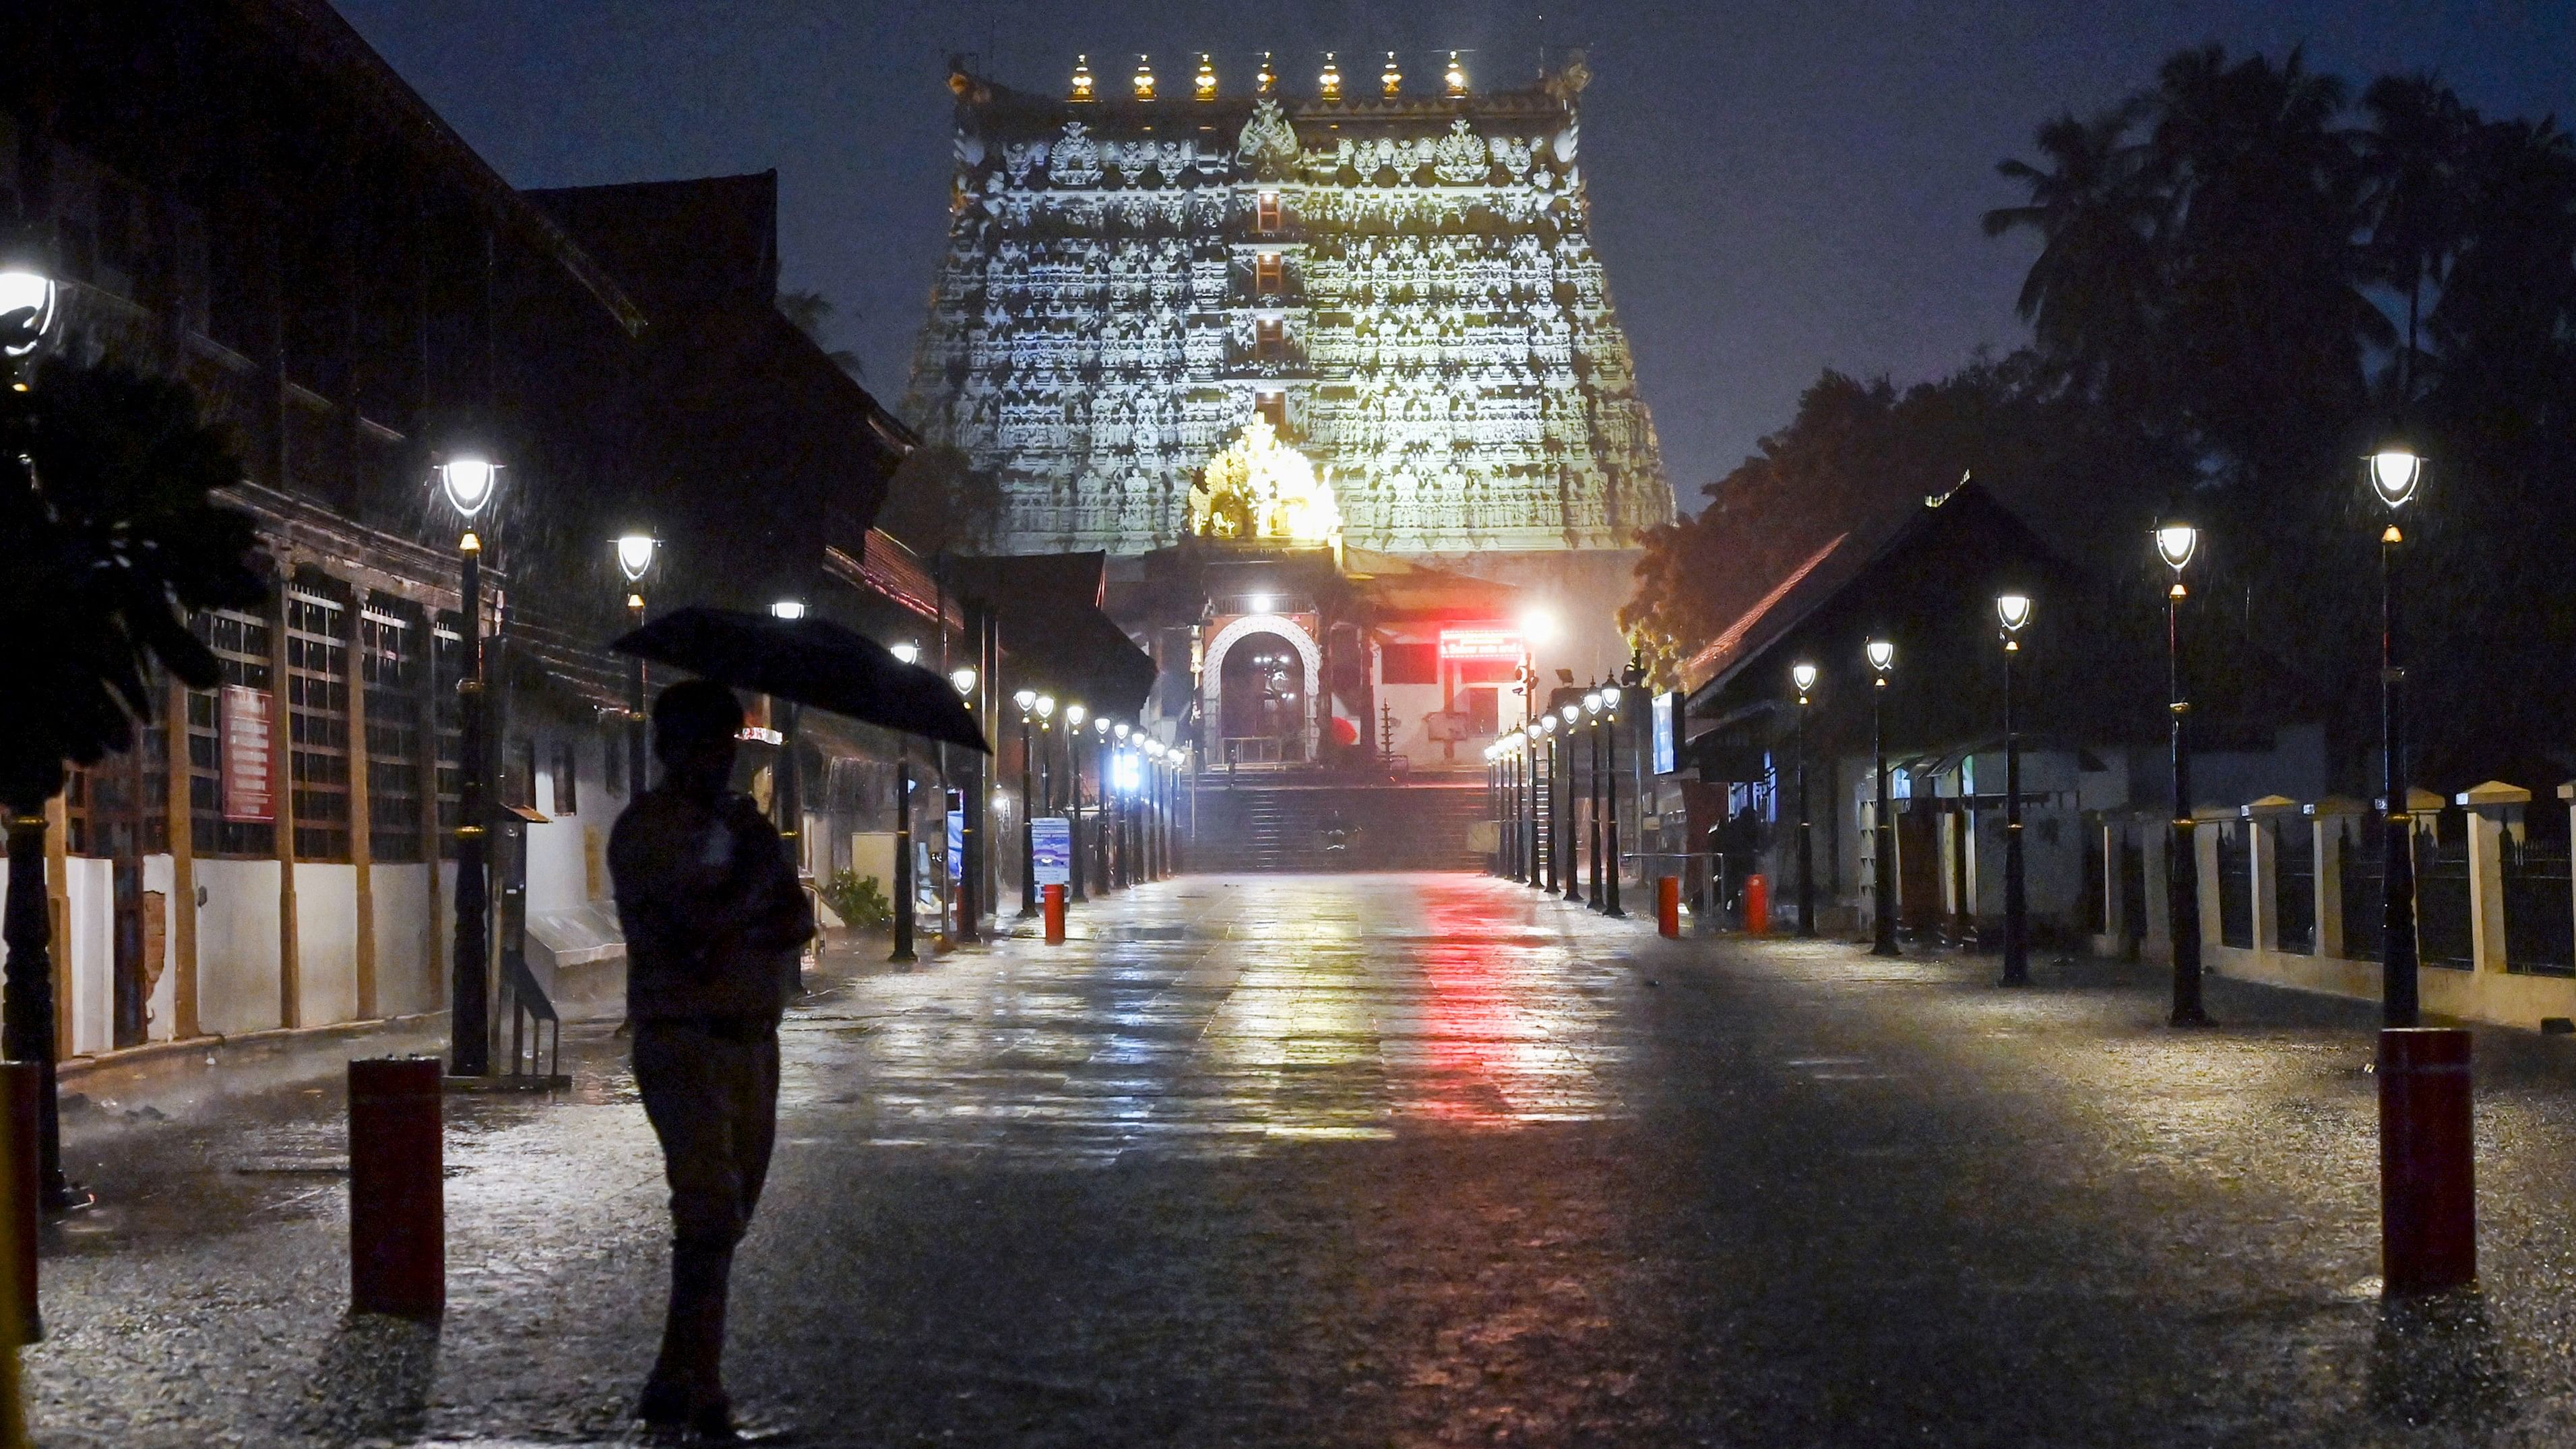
<point x="1373" y="1160"/>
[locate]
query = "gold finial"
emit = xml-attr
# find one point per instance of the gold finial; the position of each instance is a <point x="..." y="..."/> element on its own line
<point x="1331" y="80"/>
<point x="1144" y="79"/>
<point x="1082" y="77"/>
<point x="1392" y="79"/>
<point x="1455" y="76"/>
<point x="469" y="543"/>
<point x="1268" y="80"/>
<point x="1205" y="86"/>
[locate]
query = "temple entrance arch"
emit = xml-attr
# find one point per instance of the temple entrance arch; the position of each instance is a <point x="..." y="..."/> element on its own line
<point x="1261" y="679"/>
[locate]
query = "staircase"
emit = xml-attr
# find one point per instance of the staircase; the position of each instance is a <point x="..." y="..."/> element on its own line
<point x="1279" y="827"/>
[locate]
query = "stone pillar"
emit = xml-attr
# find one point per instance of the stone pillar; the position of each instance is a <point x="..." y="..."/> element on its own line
<point x="2489" y="808"/>
<point x="180" y="798"/>
<point x="2262" y="864"/>
<point x="2204" y="840"/>
<point x="2115" y="910"/>
<point x="2325" y="828"/>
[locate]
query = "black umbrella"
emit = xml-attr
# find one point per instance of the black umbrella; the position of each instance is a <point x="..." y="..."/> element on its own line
<point x="811" y="661"/>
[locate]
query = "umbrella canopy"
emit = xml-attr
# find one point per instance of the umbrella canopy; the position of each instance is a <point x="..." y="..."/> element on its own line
<point x="812" y="662"/>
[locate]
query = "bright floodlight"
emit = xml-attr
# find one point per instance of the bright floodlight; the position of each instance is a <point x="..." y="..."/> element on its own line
<point x="2013" y="610"/>
<point x="1538" y="626"/>
<point x="468" y="482"/>
<point x="1261" y="603"/>
<point x="964" y="678"/>
<point x="1882" y="655"/>
<point x="2393" y="471"/>
<point x="2175" y="543"/>
<point x="907" y="651"/>
<point x="1803" y="676"/>
<point x="22" y="290"/>
<point x="635" y="555"/>
<point x="788" y="609"/>
<point x="1026" y="699"/>
<point x="1530" y="729"/>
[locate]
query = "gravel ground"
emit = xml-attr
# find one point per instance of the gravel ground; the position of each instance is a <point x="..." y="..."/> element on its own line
<point x="1385" y="1160"/>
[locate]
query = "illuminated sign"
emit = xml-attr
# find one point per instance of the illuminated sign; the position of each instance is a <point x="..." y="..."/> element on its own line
<point x="1668" y="708"/>
<point x="1504" y="644"/>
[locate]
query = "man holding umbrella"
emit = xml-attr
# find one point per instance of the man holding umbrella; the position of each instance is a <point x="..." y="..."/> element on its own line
<point x="714" y="922"/>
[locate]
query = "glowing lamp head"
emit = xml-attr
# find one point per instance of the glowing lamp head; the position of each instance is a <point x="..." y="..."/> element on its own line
<point x="1330" y="82"/>
<point x="1548" y="724"/>
<point x="2013" y="610"/>
<point x="1391" y="80"/>
<point x="964" y="678"/>
<point x="1204" y="86"/>
<point x="1074" y="715"/>
<point x="1120" y="730"/>
<point x="1610" y="697"/>
<point x="1082" y="77"/>
<point x="1571" y="712"/>
<point x="1592" y="702"/>
<point x="2175" y="544"/>
<point x="1144" y="80"/>
<point x="1268" y="79"/>
<point x="1046" y="706"/>
<point x="2394" y="472"/>
<point x="1260" y="603"/>
<point x="1026" y="699"/>
<point x="1882" y="655"/>
<point x="1538" y="626"/>
<point x="1100" y="727"/>
<point x="1455" y="77"/>
<point x="23" y="289"/>
<point x="788" y="609"/>
<point x="907" y="651"/>
<point x="1803" y="676"/>
<point x="635" y="555"/>
<point x="468" y="482"/>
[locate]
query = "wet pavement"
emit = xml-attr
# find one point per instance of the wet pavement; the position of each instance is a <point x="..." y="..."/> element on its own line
<point x="1388" y="1160"/>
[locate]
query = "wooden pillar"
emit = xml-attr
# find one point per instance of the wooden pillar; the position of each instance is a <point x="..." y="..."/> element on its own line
<point x="281" y="795"/>
<point x="181" y="799"/>
<point x="58" y="907"/>
<point x="432" y="838"/>
<point x="361" y="841"/>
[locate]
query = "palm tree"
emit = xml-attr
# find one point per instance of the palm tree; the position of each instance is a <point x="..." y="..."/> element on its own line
<point x="111" y="533"/>
<point x="2091" y="296"/>
<point x="2413" y="154"/>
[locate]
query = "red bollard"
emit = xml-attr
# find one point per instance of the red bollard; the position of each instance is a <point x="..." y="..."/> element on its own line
<point x="2428" y="1193"/>
<point x="19" y="1082"/>
<point x="397" y="1196"/>
<point x="1668" y="905"/>
<point x="1757" y="905"/>
<point x="1054" y="914"/>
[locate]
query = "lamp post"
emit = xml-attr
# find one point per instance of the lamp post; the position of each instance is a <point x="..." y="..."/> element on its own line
<point x="1153" y="809"/>
<point x="906" y="885"/>
<point x="2175" y="544"/>
<point x="1533" y="856"/>
<point x="468" y="483"/>
<point x="1594" y="897"/>
<point x="1802" y="677"/>
<point x="635" y="559"/>
<point x="1571" y="824"/>
<point x="1074" y="714"/>
<point x="787" y="793"/>
<point x="1610" y="797"/>
<point x="1555" y="881"/>
<point x="1027" y="700"/>
<point x="1882" y="661"/>
<point x="1100" y="824"/>
<point x="971" y="842"/>
<point x="2013" y="611"/>
<point x="1122" y="864"/>
<point x="2394" y="472"/>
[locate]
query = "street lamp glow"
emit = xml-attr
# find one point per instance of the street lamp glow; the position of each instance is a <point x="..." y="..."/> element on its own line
<point x="1592" y="702"/>
<point x="790" y="609"/>
<point x="1610" y="697"/>
<point x="964" y="678"/>
<point x="1538" y="626"/>
<point x="635" y="555"/>
<point x="1074" y="714"/>
<point x="1026" y="699"/>
<point x="468" y="482"/>
<point x="2013" y="610"/>
<point x="1100" y="726"/>
<point x="907" y="651"/>
<point x="25" y="290"/>
<point x="1548" y="724"/>
<point x="1046" y="706"/>
<point x="1120" y="731"/>
<point x="1572" y="712"/>
<point x="2394" y="471"/>
<point x="2175" y="543"/>
<point x="1803" y="677"/>
<point x="1882" y="655"/>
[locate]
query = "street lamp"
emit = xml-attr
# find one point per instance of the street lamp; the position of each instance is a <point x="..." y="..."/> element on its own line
<point x="24" y="290"/>
<point x="1570" y="833"/>
<point x="1802" y="677"/>
<point x="1592" y="740"/>
<point x="1533" y="855"/>
<point x="1882" y="661"/>
<point x="2176" y="543"/>
<point x="907" y="884"/>
<point x="1610" y="796"/>
<point x="1074" y="715"/>
<point x="2394" y="472"/>
<point x="970" y="809"/>
<point x="468" y="482"/>
<point x="1101" y="828"/>
<point x="634" y="560"/>
<point x="1555" y="824"/>
<point x="1027" y="700"/>
<point x="2013" y="612"/>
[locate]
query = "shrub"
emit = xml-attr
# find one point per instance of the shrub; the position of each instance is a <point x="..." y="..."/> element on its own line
<point x="858" y="900"/>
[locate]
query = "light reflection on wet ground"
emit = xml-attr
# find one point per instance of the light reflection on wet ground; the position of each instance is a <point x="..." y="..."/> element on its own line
<point x="1394" y="1160"/>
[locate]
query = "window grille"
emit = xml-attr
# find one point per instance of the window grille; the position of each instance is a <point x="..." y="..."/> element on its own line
<point x="448" y="669"/>
<point x="391" y="661"/>
<point x="240" y="646"/>
<point x="317" y="720"/>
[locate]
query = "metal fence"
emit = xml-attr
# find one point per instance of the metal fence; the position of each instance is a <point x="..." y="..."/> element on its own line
<point x="2540" y="898"/>
<point x="2294" y="886"/>
<point x="2444" y="906"/>
<point x="2235" y="884"/>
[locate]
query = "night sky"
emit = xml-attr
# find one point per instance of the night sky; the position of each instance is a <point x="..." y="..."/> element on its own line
<point x="1776" y="188"/>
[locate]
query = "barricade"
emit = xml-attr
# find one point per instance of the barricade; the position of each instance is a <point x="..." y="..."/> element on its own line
<point x="1668" y="905"/>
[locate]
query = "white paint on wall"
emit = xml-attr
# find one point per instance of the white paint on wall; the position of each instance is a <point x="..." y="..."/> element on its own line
<point x="326" y="941"/>
<point x="237" y="945"/>
<point x="162" y="1008"/>
<point x="405" y="981"/>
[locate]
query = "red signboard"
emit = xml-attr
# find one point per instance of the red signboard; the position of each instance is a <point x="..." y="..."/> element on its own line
<point x="1480" y="644"/>
<point x="242" y="740"/>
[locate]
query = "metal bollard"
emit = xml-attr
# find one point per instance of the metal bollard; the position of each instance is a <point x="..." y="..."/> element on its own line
<point x="1668" y="905"/>
<point x="1757" y="905"/>
<point x="397" y="1195"/>
<point x="19" y="1085"/>
<point x="2428" y="1196"/>
<point x="1054" y="914"/>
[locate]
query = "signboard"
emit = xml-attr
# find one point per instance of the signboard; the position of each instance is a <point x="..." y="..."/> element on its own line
<point x="1502" y="644"/>
<point x="1051" y="850"/>
<point x="1668" y="707"/>
<point x="241" y="735"/>
<point x="956" y="846"/>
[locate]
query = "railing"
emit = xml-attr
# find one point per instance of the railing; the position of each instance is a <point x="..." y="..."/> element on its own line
<point x="531" y="1012"/>
<point x="2235" y="883"/>
<point x="2294" y="886"/>
<point x="2539" y="925"/>
<point x="2443" y="900"/>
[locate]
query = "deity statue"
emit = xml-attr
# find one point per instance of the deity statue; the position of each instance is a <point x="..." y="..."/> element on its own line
<point x="1260" y="487"/>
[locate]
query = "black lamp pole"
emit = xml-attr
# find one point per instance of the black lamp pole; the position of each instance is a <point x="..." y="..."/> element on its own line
<point x="2397" y="952"/>
<point x="1883" y="874"/>
<point x="1573" y="842"/>
<point x="1073" y="841"/>
<point x="2182" y="857"/>
<point x="1028" y="831"/>
<point x="2016" y="904"/>
<point x="469" y="1021"/>
<point x="636" y="779"/>
<point x="904" y="885"/>
<point x="1806" y="834"/>
<point x="1594" y="896"/>
<point x="1610" y="804"/>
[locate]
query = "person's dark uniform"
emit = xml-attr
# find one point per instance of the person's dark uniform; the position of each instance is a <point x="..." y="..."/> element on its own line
<point x="714" y="921"/>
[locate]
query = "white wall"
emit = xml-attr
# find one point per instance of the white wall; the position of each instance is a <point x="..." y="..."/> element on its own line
<point x="237" y="945"/>
<point x="326" y="942"/>
<point x="407" y="982"/>
<point x="162" y="1006"/>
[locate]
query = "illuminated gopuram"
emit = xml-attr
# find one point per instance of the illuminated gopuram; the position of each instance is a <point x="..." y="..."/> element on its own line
<point x="1398" y="276"/>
